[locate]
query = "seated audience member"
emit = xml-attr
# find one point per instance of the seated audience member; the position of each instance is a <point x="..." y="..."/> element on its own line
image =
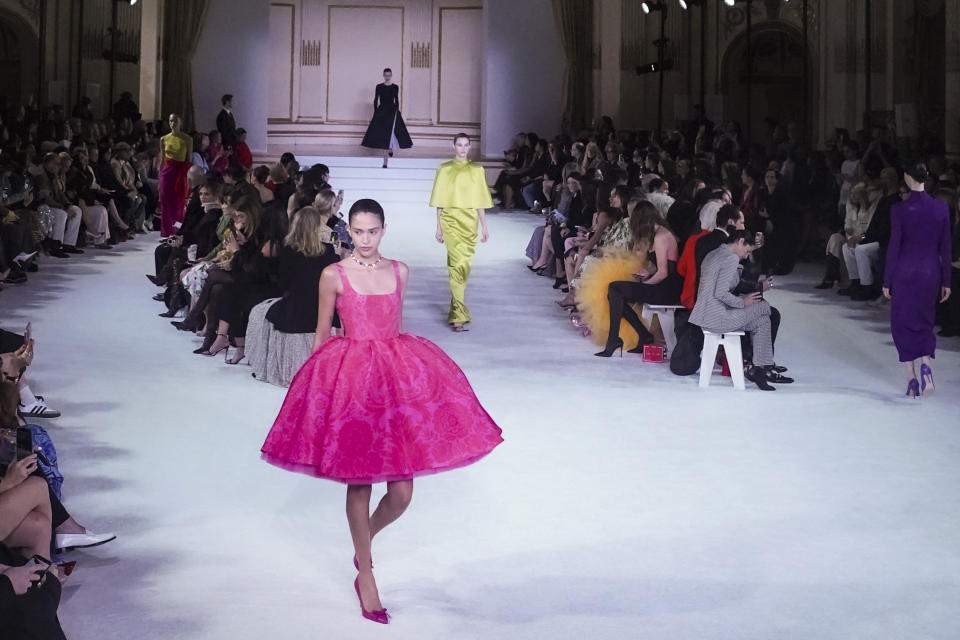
<point x="281" y="332"/>
<point x="62" y="240"/>
<point x="728" y="219"/>
<point x="129" y="182"/>
<point x="261" y="176"/>
<point x="658" y="283"/>
<point x="201" y="143"/>
<point x="218" y="156"/>
<point x="95" y="217"/>
<point x="242" y="152"/>
<point x="252" y="279"/>
<point x="861" y="251"/>
<point x="719" y="310"/>
<point x="82" y="180"/>
<point x="199" y="228"/>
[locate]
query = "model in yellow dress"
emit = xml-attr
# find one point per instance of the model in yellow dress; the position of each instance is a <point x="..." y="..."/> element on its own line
<point x="461" y="196"/>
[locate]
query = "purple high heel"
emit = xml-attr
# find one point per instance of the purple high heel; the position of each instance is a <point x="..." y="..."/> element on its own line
<point x="913" y="388"/>
<point x="379" y="616"/>
<point x="926" y="380"/>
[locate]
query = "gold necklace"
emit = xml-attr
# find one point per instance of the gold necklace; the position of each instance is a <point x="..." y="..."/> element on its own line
<point x="368" y="266"/>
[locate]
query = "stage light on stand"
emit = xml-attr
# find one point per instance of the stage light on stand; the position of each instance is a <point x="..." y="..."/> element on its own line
<point x="645" y="6"/>
<point x="683" y="4"/>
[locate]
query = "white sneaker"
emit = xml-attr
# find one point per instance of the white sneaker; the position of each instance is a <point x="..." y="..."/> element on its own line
<point x="38" y="410"/>
<point x="66" y="541"/>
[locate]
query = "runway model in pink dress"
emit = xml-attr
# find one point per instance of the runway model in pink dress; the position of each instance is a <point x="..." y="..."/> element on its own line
<point x="376" y="405"/>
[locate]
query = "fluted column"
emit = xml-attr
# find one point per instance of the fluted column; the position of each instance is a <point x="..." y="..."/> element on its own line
<point x="151" y="63"/>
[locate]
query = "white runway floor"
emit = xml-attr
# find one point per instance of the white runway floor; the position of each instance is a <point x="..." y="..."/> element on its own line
<point x="624" y="503"/>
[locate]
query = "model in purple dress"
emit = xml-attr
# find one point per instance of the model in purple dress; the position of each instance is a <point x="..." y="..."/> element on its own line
<point x="917" y="275"/>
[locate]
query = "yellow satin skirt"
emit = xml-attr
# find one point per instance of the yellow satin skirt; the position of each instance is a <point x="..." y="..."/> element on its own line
<point x="459" y="227"/>
<point x="591" y="295"/>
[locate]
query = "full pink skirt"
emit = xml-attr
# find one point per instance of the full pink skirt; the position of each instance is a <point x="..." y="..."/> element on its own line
<point x="368" y="411"/>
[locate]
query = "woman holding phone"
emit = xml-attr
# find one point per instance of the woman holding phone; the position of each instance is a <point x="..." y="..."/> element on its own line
<point x="657" y="283"/>
<point x="376" y="405"/>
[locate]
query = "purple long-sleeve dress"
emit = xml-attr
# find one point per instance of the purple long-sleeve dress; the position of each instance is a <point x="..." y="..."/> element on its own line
<point x="918" y="264"/>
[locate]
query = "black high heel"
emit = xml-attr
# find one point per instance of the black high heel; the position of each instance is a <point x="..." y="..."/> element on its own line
<point x="610" y="348"/>
<point x="171" y="313"/>
<point x="208" y="341"/>
<point x="207" y="352"/>
<point x="538" y="270"/>
<point x="559" y="282"/>
<point x="193" y="323"/>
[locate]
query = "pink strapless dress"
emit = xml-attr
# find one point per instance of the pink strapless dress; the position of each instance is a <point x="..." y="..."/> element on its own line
<point x="378" y="405"/>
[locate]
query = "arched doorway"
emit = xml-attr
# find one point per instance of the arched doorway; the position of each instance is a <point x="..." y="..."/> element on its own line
<point x="776" y="63"/>
<point x="18" y="59"/>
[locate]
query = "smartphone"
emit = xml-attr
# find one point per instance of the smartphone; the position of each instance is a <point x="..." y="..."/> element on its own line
<point x="340" y="194"/>
<point x="24" y="443"/>
<point x="26" y="333"/>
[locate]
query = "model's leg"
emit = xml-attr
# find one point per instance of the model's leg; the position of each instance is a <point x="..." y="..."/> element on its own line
<point x="358" y="518"/>
<point x="459" y="228"/>
<point x="391" y="506"/>
<point x="386" y="154"/>
<point x="911" y="370"/>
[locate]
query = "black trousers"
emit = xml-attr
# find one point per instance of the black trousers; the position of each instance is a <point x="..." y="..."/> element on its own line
<point x="621" y="294"/>
<point x="33" y="615"/>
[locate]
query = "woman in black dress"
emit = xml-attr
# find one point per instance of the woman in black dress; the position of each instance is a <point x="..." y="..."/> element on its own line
<point x="387" y="130"/>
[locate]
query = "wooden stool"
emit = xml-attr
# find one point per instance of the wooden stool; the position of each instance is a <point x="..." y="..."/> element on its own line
<point x="665" y="313"/>
<point x="731" y="349"/>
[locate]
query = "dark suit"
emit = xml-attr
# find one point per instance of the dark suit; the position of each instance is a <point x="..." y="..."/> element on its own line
<point x="227" y="127"/>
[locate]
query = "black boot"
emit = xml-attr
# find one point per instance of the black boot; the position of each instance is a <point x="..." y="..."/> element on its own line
<point x="832" y="273"/>
<point x="852" y="289"/>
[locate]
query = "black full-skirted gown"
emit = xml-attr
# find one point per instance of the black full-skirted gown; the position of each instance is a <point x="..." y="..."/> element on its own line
<point x="387" y="130"/>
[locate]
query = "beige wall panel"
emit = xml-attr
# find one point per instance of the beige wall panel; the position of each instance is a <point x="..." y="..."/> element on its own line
<point x="461" y="56"/>
<point x="362" y="41"/>
<point x="280" y="98"/>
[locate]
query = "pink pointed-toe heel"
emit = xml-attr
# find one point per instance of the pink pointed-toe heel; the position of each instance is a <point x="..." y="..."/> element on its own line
<point x="379" y="616"/>
<point x="926" y="380"/>
<point x="356" y="564"/>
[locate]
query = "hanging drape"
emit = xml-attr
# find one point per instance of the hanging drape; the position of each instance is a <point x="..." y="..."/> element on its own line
<point x="182" y="25"/>
<point x="575" y="23"/>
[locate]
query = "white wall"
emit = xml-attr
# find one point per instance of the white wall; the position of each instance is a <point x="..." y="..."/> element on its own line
<point x="523" y="74"/>
<point x="233" y="56"/>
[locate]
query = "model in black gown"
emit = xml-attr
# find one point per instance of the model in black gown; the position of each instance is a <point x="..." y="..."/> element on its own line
<point x="387" y="130"/>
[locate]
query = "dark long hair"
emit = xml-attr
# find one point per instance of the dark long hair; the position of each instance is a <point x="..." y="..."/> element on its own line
<point x="644" y="218"/>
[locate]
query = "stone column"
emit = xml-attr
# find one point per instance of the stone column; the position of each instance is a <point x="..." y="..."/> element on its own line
<point x="151" y="64"/>
<point x="610" y="32"/>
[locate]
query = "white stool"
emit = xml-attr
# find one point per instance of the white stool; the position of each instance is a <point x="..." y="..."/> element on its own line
<point x="665" y="313"/>
<point x="731" y="349"/>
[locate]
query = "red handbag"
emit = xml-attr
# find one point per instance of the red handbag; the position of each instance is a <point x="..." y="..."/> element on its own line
<point x="654" y="353"/>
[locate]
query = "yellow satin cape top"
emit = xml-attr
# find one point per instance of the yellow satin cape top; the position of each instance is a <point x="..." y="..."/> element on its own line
<point x="460" y="184"/>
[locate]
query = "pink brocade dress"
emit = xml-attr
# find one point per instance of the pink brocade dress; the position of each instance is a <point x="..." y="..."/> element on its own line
<point x="378" y="405"/>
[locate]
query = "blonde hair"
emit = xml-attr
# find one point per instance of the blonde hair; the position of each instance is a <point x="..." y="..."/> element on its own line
<point x="324" y="202"/>
<point x="278" y="174"/>
<point x="306" y="232"/>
